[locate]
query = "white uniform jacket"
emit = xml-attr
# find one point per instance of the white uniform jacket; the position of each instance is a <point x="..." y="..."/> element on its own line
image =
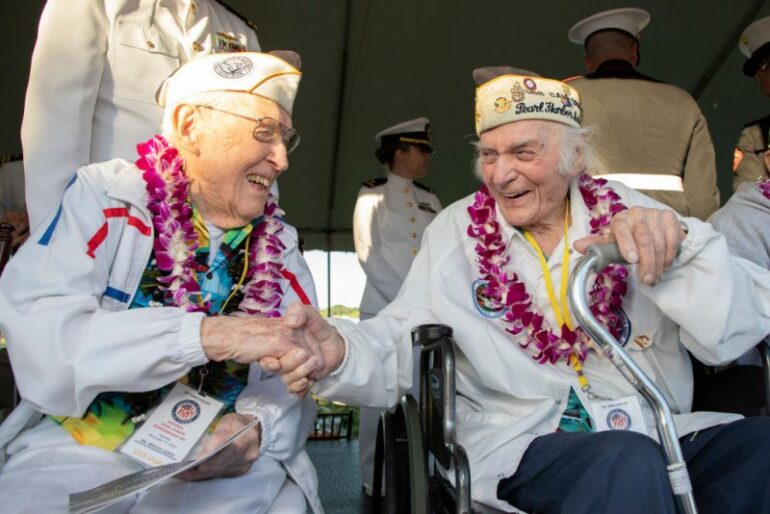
<point x="71" y="335"/>
<point x="96" y="67"/>
<point x="388" y="222"/>
<point x="715" y="305"/>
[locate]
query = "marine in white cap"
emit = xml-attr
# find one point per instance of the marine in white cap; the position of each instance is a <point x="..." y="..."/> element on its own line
<point x="159" y="284"/>
<point x="390" y="215"/>
<point x="651" y="135"/>
<point x="548" y="425"/>
<point x="91" y="91"/>
<point x="748" y="165"/>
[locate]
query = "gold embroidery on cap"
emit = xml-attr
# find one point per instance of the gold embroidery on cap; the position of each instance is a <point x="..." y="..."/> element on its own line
<point x="517" y="92"/>
<point x="502" y="104"/>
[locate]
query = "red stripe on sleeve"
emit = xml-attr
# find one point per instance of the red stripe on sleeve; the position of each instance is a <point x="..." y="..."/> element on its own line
<point x="292" y="278"/>
<point x="97" y="239"/>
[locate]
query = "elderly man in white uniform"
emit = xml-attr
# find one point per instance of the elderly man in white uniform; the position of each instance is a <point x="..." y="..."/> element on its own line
<point x="390" y="215"/>
<point x="96" y="68"/>
<point x="163" y="280"/>
<point x="531" y="394"/>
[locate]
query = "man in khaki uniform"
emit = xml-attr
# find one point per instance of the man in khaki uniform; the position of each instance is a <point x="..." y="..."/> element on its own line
<point x="650" y="135"/>
<point x="752" y="143"/>
<point x="96" y="68"/>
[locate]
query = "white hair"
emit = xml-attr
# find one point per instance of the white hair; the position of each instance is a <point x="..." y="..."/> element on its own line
<point x="576" y="155"/>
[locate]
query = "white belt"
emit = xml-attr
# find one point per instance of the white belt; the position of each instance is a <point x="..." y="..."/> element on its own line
<point x="648" y="182"/>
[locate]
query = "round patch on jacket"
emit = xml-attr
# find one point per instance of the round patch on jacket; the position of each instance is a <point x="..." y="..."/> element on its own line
<point x="625" y="327"/>
<point x="485" y="305"/>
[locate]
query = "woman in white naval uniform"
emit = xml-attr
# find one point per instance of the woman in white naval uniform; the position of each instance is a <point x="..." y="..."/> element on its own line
<point x="390" y="215"/>
<point x="96" y="68"/>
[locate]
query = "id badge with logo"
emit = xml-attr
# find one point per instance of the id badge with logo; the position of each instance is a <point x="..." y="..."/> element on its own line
<point x="173" y="428"/>
<point x="622" y="414"/>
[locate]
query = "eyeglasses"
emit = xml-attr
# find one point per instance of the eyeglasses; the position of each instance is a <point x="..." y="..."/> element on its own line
<point x="267" y="129"/>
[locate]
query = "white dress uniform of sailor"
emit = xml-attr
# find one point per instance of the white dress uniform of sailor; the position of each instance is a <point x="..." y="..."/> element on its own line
<point x="651" y="136"/>
<point x="390" y="216"/>
<point x="96" y="68"/>
<point x="748" y="164"/>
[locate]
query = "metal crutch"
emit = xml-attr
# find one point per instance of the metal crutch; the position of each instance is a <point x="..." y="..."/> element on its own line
<point x="596" y="259"/>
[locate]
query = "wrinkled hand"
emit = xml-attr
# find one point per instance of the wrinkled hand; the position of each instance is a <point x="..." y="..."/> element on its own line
<point x="649" y="237"/>
<point x="20" y="223"/>
<point x="300" y="369"/>
<point x="249" y="339"/>
<point x="233" y="461"/>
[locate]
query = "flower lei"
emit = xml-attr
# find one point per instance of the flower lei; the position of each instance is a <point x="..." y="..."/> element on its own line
<point x="176" y="239"/>
<point x="505" y="290"/>
<point x="764" y="187"/>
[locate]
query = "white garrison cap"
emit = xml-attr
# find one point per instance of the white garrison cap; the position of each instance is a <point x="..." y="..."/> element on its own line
<point x="273" y="75"/>
<point x="416" y="131"/>
<point x="630" y="20"/>
<point x="508" y="96"/>
<point x="754" y="44"/>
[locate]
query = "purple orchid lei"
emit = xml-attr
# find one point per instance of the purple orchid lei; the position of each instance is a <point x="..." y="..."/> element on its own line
<point x="764" y="187"/>
<point x="505" y="290"/>
<point x="176" y="239"/>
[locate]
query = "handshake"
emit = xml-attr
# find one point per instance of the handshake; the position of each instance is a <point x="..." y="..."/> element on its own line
<point x="301" y="346"/>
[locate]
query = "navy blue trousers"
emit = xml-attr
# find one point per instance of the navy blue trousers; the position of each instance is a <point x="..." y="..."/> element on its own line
<point x="625" y="472"/>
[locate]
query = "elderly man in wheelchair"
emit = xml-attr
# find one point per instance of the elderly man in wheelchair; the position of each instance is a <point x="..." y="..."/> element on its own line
<point x="548" y="423"/>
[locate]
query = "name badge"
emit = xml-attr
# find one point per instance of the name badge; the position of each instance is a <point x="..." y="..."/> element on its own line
<point x="621" y="414"/>
<point x="173" y="428"/>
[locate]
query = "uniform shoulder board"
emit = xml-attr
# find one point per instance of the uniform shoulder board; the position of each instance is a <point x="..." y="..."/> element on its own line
<point x="10" y="158"/>
<point x="424" y="187"/>
<point x="374" y="182"/>
<point x="238" y="15"/>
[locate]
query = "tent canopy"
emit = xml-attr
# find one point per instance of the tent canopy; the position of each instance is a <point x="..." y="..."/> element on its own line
<point x="369" y="64"/>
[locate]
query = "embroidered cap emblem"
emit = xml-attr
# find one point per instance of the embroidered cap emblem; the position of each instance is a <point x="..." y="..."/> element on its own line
<point x="502" y="104"/>
<point x="530" y="84"/>
<point x="233" y="67"/>
<point x="517" y="92"/>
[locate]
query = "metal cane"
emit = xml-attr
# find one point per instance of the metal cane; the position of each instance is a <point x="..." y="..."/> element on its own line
<point x="596" y="259"/>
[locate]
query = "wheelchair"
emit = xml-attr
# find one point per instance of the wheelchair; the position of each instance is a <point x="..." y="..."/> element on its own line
<point x="416" y="441"/>
<point x="416" y="444"/>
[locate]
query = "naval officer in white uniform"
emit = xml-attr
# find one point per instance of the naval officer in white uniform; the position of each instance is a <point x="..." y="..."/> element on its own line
<point x="91" y="91"/>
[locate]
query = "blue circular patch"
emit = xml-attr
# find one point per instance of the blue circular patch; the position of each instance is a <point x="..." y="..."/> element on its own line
<point x="186" y="411"/>
<point x="484" y="304"/>
<point x="618" y="419"/>
<point x="625" y="327"/>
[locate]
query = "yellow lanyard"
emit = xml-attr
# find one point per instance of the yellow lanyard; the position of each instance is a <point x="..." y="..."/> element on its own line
<point x="560" y="309"/>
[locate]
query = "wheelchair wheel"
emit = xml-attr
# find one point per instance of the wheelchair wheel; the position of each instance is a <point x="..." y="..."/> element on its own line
<point x="400" y="455"/>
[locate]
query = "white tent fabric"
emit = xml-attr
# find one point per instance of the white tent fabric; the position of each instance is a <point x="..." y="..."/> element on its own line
<point x="371" y="63"/>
